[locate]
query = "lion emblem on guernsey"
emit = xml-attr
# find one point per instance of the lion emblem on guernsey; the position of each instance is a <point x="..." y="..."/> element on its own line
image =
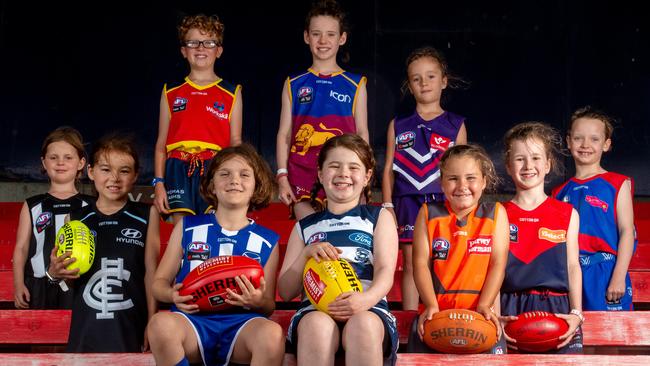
<point x="307" y="137"/>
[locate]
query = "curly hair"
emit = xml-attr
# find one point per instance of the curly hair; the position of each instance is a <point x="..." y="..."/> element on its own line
<point x="477" y="153"/>
<point x="210" y="25"/>
<point x="590" y="112"/>
<point x="549" y="136"/>
<point x="265" y="185"/>
<point x="356" y="144"/>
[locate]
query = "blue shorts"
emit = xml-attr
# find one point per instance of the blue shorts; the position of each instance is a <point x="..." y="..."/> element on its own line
<point x="415" y="345"/>
<point x="597" y="270"/>
<point x="217" y="333"/>
<point x="406" y="210"/>
<point x="183" y="192"/>
<point x="517" y="303"/>
<point x="391" y="338"/>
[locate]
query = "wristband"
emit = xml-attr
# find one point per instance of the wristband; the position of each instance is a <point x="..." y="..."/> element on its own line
<point x="51" y="279"/>
<point x="387" y="205"/>
<point x="277" y="177"/>
<point x="282" y="171"/>
<point x="578" y="313"/>
<point x="157" y="180"/>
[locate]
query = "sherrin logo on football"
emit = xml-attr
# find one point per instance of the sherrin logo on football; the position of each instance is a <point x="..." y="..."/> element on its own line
<point x="75" y="237"/>
<point x="324" y="281"/>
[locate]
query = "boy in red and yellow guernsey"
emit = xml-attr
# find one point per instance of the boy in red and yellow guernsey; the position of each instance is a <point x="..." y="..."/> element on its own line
<point x="199" y="116"/>
<point x="460" y="247"/>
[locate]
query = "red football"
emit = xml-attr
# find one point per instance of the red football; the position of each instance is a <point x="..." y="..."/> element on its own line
<point x="208" y="282"/>
<point x="536" y="331"/>
<point x="459" y="331"/>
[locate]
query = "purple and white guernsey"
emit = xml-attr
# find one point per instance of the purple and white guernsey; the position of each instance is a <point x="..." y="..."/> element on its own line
<point x="419" y="145"/>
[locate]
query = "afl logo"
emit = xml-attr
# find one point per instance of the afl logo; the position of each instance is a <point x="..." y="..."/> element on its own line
<point x="179" y="104"/>
<point x="514" y="233"/>
<point x="318" y="237"/>
<point x="405" y="140"/>
<point x="219" y="106"/>
<point x="440" y="244"/>
<point x="43" y="220"/>
<point x="199" y="247"/>
<point x="131" y="233"/>
<point x="305" y="94"/>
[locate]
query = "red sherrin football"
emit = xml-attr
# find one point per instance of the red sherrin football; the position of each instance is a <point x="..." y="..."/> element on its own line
<point x="536" y="331"/>
<point x="459" y="331"/>
<point x="208" y="282"/>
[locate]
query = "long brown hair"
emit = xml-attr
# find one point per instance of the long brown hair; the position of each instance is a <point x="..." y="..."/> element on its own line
<point x="265" y="185"/>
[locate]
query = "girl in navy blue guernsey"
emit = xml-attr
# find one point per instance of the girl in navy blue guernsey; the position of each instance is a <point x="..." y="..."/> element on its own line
<point x="543" y="271"/>
<point x="237" y="181"/>
<point x="415" y="144"/>
<point x="358" y="323"/>
<point x="112" y="300"/>
<point x="604" y="200"/>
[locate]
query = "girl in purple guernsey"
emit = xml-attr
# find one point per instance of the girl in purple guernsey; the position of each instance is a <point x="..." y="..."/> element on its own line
<point x="317" y="104"/>
<point x="414" y="146"/>
<point x="604" y="201"/>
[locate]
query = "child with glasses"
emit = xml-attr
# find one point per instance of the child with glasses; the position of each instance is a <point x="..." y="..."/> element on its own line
<point x="199" y="116"/>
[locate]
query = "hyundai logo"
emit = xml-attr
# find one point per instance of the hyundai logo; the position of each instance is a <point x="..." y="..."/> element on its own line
<point x="131" y="233"/>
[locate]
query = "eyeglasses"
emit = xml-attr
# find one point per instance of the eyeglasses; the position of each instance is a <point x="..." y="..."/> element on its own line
<point x="208" y="43"/>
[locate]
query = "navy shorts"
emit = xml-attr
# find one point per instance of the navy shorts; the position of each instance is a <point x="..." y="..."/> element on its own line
<point x="406" y="210"/>
<point x="183" y="192"/>
<point x="217" y="333"/>
<point x="391" y="338"/>
<point x="415" y="345"/>
<point x="597" y="270"/>
<point x="517" y="303"/>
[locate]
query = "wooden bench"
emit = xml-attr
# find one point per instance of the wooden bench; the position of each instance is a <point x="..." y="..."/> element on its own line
<point x="601" y="329"/>
<point x="403" y="359"/>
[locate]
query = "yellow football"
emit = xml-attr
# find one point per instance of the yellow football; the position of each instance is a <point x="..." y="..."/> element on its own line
<point x="326" y="280"/>
<point x="74" y="236"/>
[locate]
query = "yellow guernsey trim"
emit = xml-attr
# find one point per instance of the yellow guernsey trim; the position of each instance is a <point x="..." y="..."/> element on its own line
<point x="201" y="87"/>
<point x="354" y="103"/>
<point x="363" y="78"/>
<point x="289" y="89"/>
<point x="234" y="99"/>
<point x="192" y="146"/>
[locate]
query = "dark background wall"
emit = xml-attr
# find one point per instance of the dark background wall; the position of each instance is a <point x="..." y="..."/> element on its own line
<point x="101" y="67"/>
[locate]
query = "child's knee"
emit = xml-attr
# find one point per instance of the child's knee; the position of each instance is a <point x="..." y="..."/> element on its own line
<point x="161" y="325"/>
<point x="363" y="326"/>
<point x="316" y="324"/>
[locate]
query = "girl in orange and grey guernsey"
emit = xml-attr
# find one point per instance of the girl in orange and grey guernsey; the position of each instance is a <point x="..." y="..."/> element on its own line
<point x="460" y="246"/>
<point x="63" y="157"/>
<point x="323" y="102"/>
<point x="113" y="299"/>
<point x="543" y="270"/>
<point x="199" y="116"/>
